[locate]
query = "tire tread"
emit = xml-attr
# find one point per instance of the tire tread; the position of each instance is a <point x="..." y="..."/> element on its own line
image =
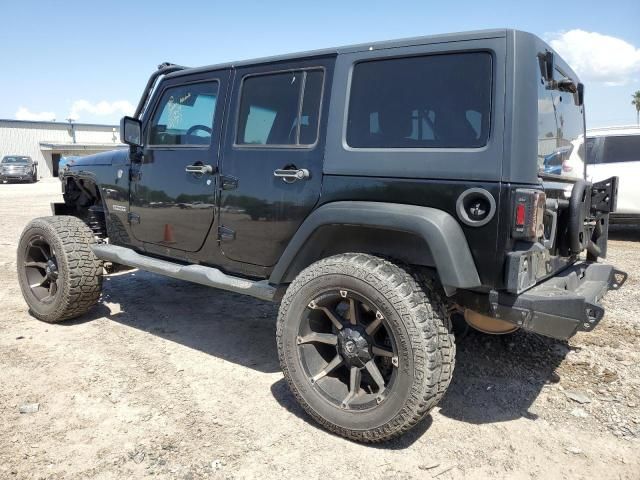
<point x="83" y="273"/>
<point x="423" y="312"/>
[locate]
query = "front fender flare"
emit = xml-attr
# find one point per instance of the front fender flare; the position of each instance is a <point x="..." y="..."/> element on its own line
<point x="439" y="230"/>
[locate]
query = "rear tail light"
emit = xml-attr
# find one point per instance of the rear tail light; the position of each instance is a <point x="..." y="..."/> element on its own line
<point x="566" y="167"/>
<point x="528" y="218"/>
<point x="521" y="214"/>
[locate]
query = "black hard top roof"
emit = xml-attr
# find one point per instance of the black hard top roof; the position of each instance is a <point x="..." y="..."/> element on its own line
<point x="405" y="42"/>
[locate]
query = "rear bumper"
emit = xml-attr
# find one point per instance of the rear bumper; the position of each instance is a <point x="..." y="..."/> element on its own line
<point x="562" y="305"/>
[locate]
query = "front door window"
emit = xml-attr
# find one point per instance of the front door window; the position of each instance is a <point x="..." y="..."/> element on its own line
<point x="185" y="115"/>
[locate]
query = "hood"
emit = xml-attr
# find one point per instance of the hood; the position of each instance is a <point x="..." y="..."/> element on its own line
<point x="102" y="158"/>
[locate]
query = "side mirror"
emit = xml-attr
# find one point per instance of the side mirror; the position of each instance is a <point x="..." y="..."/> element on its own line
<point x="131" y="131"/>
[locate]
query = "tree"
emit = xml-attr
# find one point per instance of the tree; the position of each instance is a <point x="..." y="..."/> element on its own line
<point x="636" y="102"/>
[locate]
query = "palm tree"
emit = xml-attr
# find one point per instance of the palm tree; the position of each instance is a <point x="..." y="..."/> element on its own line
<point x="636" y="102"/>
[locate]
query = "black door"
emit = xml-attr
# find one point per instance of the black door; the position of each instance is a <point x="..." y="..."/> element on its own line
<point x="55" y="163"/>
<point x="173" y="188"/>
<point x="272" y="163"/>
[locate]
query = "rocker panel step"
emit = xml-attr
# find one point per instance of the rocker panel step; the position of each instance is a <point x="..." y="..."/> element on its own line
<point x="209" y="276"/>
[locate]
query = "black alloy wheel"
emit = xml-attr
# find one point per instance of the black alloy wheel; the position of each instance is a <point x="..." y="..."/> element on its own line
<point x="41" y="269"/>
<point x="346" y="350"/>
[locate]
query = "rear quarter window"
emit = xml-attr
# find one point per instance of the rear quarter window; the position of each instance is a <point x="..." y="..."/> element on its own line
<point x="430" y="101"/>
<point x="621" y="148"/>
<point x="560" y="124"/>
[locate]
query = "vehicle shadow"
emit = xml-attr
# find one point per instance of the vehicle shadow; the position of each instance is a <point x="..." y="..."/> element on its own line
<point x="234" y="327"/>
<point x="496" y="379"/>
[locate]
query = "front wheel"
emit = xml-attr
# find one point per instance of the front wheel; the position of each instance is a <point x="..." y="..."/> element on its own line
<point x="59" y="275"/>
<point x="364" y="348"/>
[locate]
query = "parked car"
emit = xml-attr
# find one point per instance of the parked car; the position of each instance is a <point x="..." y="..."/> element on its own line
<point x="376" y="191"/>
<point x="558" y="161"/>
<point x="616" y="151"/>
<point x="64" y="163"/>
<point x="610" y="151"/>
<point x="18" y="167"/>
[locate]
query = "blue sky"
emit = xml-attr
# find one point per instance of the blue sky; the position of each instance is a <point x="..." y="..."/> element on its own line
<point x="91" y="60"/>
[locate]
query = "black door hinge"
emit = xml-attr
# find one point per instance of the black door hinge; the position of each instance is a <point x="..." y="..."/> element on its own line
<point x="228" y="182"/>
<point x="225" y="234"/>
<point x="133" y="217"/>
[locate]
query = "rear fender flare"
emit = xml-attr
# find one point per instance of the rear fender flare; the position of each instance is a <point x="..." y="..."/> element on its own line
<point x="441" y="233"/>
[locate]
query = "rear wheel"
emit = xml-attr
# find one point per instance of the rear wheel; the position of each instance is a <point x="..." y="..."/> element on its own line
<point x="366" y="351"/>
<point x="59" y="275"/>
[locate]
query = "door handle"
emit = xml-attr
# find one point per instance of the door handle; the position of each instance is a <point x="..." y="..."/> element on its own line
<point x="291" y="176"/>
<point x="199" y="169"/>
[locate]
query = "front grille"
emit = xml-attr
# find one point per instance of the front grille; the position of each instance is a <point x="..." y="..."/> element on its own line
<point x="16" y="170"/>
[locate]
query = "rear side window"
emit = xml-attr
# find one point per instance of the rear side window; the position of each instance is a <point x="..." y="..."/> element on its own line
<point x="185" y="115"/>
<point x="621" y="148"/>
<point x="435" y="101"/>
<point x="280" y="109"/>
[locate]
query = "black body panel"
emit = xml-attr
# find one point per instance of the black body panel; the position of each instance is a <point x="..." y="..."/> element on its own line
<point x="258" y="211"/>
<point x="486" y="245"/>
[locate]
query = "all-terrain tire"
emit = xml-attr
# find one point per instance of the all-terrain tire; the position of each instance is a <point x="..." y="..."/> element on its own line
<point x="79" y="272"/>
<point x="415" y="314"/>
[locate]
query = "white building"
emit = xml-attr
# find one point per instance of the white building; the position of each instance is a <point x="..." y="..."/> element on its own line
<point x="47" y="142"/>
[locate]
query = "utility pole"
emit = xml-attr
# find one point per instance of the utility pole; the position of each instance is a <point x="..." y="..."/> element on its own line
<point x="73" y="129"/>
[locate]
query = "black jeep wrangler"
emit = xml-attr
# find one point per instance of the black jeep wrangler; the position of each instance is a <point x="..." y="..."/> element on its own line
<point x="375" y="191"/>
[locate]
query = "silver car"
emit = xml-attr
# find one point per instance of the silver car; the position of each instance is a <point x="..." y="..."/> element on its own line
<point x="18" y="167"/>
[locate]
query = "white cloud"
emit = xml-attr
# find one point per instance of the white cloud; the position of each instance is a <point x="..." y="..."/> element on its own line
<point x="24" y="113"/>
<point x="596" y="57"/>
<point x="101" y="109"/>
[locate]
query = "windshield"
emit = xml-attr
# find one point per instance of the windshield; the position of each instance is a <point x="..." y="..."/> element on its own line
<point x="16" y="160"/>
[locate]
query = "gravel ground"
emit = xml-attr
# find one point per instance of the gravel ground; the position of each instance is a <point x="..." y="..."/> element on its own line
<point x="174" y="380"/>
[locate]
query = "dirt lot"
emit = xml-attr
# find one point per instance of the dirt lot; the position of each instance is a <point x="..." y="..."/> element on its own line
<point x="175" y="380"/>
